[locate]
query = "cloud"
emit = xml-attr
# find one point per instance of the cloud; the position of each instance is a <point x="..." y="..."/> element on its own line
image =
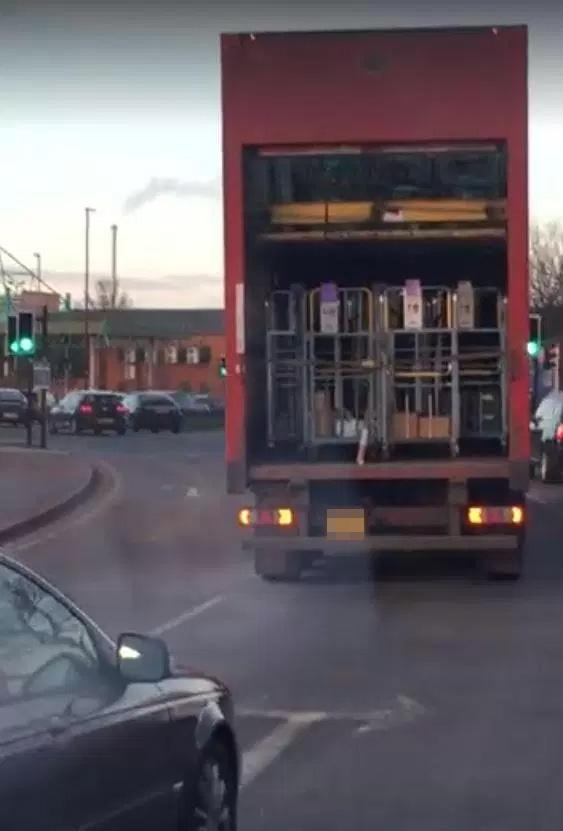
<point x="171" y="290"/>
<point x="168" y="186"/>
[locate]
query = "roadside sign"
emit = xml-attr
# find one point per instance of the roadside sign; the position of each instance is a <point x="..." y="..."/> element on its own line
<point x="41" y="376"/>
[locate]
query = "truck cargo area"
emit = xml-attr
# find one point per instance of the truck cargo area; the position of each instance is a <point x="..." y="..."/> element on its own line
<point x="375" y="315"/>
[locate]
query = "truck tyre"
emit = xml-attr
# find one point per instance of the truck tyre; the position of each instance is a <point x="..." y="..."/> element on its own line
<point x="504" y="565"/>
<point x="280" y="566"/>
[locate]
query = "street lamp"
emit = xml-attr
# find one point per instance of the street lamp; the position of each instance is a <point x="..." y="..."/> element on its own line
<point x="87" y="212"/>
<point x="113" y="266"/>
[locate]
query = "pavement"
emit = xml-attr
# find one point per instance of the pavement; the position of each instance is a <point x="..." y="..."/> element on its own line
<point x="415" y="696"/>
<point x="37" y="485"/>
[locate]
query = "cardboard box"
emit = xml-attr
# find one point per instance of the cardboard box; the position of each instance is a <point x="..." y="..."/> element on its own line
<point x="405" y="426"/>
<point x="323" y="414"/>
<point x="434" y="427"/>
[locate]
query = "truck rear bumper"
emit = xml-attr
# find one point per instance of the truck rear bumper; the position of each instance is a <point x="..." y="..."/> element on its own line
<point x="331" y="546"/>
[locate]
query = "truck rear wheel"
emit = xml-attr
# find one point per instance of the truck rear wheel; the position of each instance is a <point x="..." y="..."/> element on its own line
<point x="504" y="565"/>
<point x="278" y="565"/>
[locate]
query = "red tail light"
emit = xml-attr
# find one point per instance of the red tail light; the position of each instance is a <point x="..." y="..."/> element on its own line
<point x="559" y="433"/>
<point x="85" y="408"/>
<point x="121" y="408"/>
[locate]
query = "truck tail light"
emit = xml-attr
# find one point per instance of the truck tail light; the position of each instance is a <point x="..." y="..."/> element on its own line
<point x="559" y="433"/>
<point x="281" y="517"/>
<point x="510" y="515"/>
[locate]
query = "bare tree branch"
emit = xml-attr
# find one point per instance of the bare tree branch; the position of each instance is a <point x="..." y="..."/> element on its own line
<point x="109" y="296"/>
<point x="546" y="265"/>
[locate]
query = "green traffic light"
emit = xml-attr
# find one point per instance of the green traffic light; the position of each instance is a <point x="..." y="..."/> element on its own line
<point x="533" y="348"/>
<point x="15" y="347"/>
<point x="26" y="346"/>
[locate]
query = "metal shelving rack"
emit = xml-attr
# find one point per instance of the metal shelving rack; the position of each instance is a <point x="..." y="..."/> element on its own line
<point x="285" y="368"/>
<point x="439" y="384"/>
<point x="420" y="404"/>
<point x="482" y="370"/>
<point x="341" y="370"/>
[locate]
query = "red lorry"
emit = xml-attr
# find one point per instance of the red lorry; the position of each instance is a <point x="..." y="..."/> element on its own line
<point x="376" y="291"/>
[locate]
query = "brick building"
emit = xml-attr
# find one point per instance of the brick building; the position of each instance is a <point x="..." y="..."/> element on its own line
<point x="139" y="349"/>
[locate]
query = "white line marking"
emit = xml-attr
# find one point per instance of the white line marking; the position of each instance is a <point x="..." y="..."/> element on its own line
<point x="266" y="751"/>
<point x="402" y="708"/>
<point x="185" y="616"/>
<point x="192" y="493"/>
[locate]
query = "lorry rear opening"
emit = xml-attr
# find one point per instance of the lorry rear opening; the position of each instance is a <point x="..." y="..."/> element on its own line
<point x="375" y="300"/>
<point x="376" y="291"/>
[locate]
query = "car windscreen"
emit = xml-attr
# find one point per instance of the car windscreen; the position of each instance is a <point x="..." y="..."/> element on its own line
<point x="156" y="401"/>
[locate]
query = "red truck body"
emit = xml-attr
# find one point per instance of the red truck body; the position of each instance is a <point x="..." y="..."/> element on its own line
<point x="375" y="87"/>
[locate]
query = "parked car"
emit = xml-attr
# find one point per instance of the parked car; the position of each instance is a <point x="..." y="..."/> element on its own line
<point x="546" y="438"/>
<point x="36" y="410"/>
<point x="13" y="407"/>
<point x="95" y="410"/>
<point x="153" y="411"/>
<point x="191" y="404"/>
<point x="96" y="734"/>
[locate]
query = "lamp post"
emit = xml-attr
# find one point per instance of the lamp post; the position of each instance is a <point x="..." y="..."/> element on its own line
<point x="87" y="212"/>
<point x="113" y="266"/>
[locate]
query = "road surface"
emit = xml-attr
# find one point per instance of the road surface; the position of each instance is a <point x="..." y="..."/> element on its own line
<point x="417" y="697"/>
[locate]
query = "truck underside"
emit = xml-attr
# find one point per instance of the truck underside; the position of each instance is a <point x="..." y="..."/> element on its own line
<point x="376" y="360"/>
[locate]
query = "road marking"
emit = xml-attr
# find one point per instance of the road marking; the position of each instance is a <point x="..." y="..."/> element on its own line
<point x="266" y="751"/>
<point x="185" y="616"/>
<point x="192" y="493"/>
<point x="402" y="705"/>
<point x="404" y="710"/>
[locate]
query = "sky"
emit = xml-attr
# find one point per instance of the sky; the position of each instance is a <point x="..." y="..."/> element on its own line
<point x="116" y="106"/>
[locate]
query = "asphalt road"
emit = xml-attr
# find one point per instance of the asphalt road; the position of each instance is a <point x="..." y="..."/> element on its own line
<point x="419" y="696"/>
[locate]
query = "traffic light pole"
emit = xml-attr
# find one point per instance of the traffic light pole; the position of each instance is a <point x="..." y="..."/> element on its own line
<point x="44" y="321"/>
<point x="29" y="419"/>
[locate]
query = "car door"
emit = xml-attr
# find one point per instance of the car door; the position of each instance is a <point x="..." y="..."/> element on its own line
<point x="31" y="764"/>
<point x="110" y="744"/>
<point x="31" y="767"/>
<point x="62" y="414"/>
<point x="539" y="427"/>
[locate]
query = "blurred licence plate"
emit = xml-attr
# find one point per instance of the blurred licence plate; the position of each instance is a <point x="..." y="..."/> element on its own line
<point x="345" y="523"/>
<point x="105" y="420"/>
<point x="11" y="416"/>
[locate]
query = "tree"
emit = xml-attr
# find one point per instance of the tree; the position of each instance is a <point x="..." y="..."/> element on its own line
<point x="109" y="296"/>
<point x="546" y="265"/>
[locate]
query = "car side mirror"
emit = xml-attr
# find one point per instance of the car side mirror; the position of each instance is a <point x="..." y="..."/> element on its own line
<point x="142" y="659"/>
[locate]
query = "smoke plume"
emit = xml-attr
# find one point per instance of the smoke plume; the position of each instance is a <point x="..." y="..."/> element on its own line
<point x="159" y="187"/>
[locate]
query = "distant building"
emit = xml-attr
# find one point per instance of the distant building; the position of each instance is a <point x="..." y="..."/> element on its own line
<point x="139" y="349"/>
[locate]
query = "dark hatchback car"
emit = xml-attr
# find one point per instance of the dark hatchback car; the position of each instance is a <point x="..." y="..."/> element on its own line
<point x="89" y="410"/>
<point x="153" y="411"/>
<point x="100" y="735"/>
<point x="13" y="407"/>
<point x="546" y="437"/>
